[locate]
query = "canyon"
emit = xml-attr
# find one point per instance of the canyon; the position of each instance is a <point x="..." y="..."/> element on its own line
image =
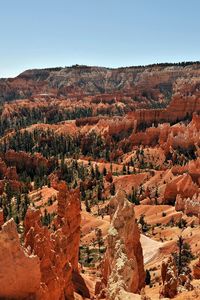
<point x="100" y="183"/>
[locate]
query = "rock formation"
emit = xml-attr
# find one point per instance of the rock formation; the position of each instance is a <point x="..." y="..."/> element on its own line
<point x="43" y="269"/>
<point x="23" y="160"/>
<point x="169" y="278"/>
<point x="196" y="270"/>
<point x="69" y="218"/>
<point x="58" y="250"/>
<point x="19" y="272"/>
<point x="150" y="82"/>
<point x="182" y="185"/>
<point x="103" y="130"/>
<point x="123" y="270"/>
<point x="178" y="109"/>
<point x="172" y="282"/>
<point x="190" y="206"/>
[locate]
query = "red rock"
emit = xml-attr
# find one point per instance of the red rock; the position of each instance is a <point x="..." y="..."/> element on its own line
<point x="69" y="219"/>
<point x="190" y="206"/>
<point x="192" y="168"/>
<point x="20" y="272"/>
<point x="178" y="109"/>
<point x="182" y="185"/>
<point x="127" y="83"/>
<point x="172" y="282"/>
<point x="169" y="278"/>
<point x="196" y="270"/>
<point x="123" y="269"/>
<point x="23" y="160"/>
<point x="57" y="251"/>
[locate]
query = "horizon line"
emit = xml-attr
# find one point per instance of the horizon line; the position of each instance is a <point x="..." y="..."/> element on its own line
<point x="161" y="64"/>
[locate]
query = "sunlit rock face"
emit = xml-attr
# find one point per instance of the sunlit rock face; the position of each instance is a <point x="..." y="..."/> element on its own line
<point x="19" y="272"/>
<point x="182" y="185"/>
<point x="58" y="250"/>
<point x="157" y="83"/>
<point x="123" y="270"/>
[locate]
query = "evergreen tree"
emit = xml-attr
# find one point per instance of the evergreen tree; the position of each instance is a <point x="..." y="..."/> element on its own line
<point x="112" y="189"/>
<point x="104" y="171"/>
<point x="124" y="170"/>
<point x="46" y="218"/>
<point x="82" y="191"/>
<point x="143" y="223"/>
<point x="99" y="237"/>
<point x="183" y="256"/>
<point x="97" y="172"/>
<point x="148" y="277"/>
<point x="99" y="192"/>
<point x="87" y="206"/>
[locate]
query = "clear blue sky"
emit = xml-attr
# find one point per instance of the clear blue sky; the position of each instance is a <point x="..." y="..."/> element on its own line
<point x="45" y="33"/>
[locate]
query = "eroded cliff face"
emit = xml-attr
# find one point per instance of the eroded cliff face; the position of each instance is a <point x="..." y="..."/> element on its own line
<point x="43" y="268"/>
<point x="182" y="185"/>
<point x="20" y="271"/>
<point x="150" y="83"/>
<point x="69" y="218"/>
<point x="23" y="160"/>
<point x="180" y="107"/>
<point x="123" y="269"/>
<point x="58" y="250"/>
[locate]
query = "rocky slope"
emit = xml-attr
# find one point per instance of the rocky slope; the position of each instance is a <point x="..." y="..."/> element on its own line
<point x="151" y="82"/>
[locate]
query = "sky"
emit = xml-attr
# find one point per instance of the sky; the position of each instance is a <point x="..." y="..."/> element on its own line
<point x="112" y="33"/>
